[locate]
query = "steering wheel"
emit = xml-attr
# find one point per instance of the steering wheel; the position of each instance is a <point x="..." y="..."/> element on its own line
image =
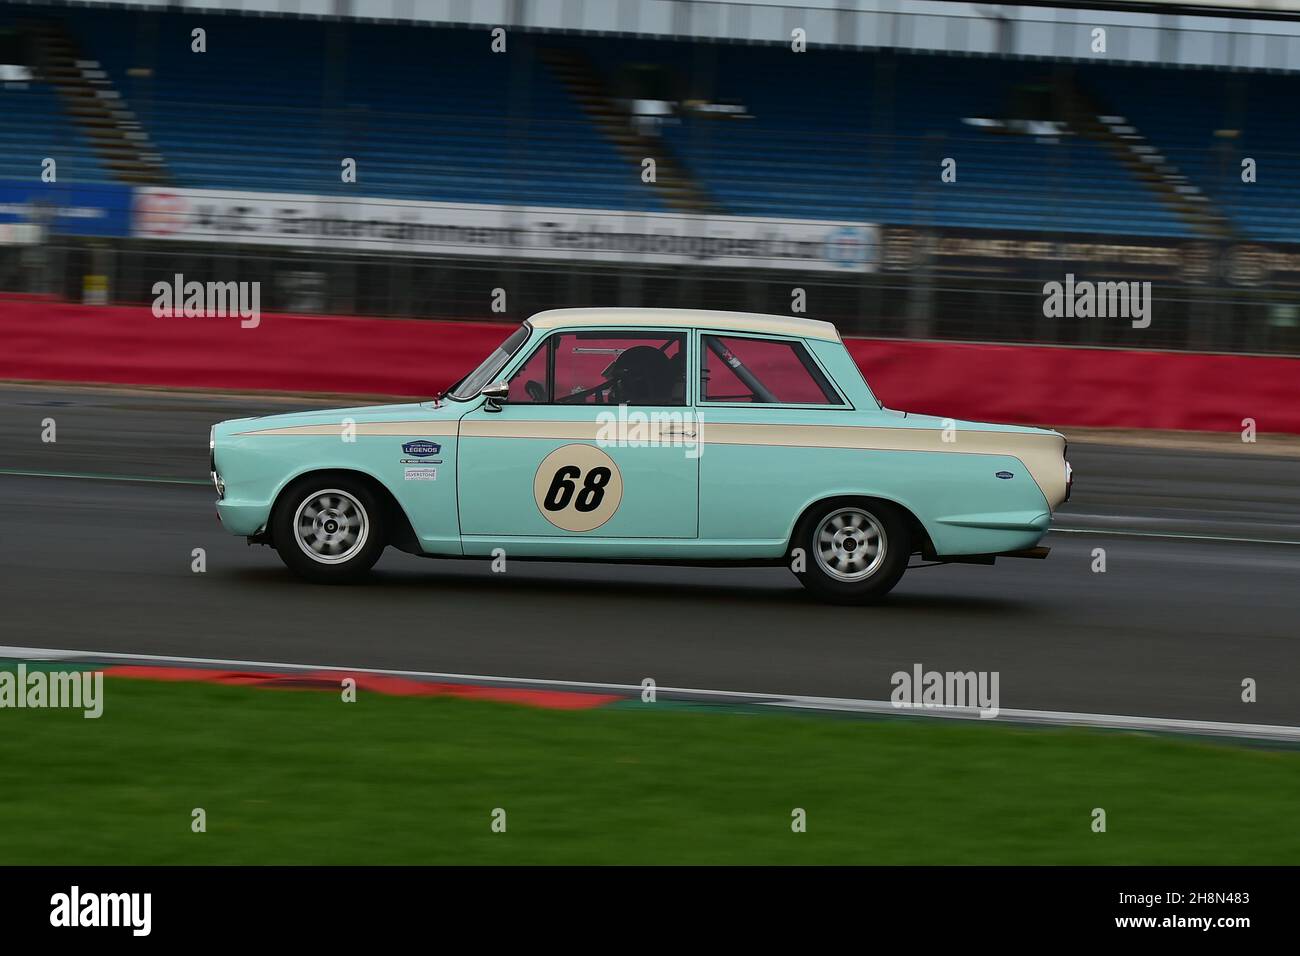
<point x="536" y="390"/>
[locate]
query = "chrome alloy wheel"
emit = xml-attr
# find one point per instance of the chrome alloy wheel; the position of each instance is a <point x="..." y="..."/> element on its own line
<point x="850" y="544"/>
<point x="331" y="526"/>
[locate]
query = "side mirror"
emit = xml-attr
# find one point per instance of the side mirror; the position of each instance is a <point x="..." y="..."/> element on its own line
<point x="497" y="394"/>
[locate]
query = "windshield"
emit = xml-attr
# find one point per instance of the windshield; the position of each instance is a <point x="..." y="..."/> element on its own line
<point x="475" y="381"/>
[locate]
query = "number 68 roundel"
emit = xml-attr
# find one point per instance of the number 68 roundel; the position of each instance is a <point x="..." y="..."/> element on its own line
<point x="578" y="487"/>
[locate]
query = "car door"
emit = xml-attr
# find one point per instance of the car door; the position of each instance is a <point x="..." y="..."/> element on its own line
<point x="762" y="400"/>
<point x="596" y="440"/>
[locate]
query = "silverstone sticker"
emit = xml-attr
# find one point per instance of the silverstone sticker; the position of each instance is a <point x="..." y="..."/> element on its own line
<point x="421" y="474"/>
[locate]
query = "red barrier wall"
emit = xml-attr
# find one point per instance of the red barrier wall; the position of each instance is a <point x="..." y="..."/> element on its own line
<point x="62" y="342"/>
<point x="1103" y="388"/>
<point x="47" y="340"/>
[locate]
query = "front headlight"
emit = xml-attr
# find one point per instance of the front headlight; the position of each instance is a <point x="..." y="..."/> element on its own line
<point x="1069" y="473"/>
<point x="212" y="464"/>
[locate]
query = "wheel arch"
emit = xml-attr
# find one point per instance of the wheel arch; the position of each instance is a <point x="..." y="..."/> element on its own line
<point x="921" y="540"/>
<point x="400" y="532"/>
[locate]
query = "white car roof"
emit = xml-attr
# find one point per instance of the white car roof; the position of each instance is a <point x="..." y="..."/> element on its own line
<point x="688" y="318"/>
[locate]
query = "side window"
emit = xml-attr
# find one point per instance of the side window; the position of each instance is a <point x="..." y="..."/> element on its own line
<point x="530" y="383"/>
<point x="762" y="371"/>
<point x="604" y="368"/>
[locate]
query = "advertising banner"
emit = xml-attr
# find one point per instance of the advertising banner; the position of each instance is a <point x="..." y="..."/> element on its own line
<point x="532" y="232"/>
<point x="82" y="209"/>
<point x="991" y="253"/>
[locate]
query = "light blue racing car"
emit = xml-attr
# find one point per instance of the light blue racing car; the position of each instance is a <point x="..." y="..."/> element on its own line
<point x="647" y="436"/>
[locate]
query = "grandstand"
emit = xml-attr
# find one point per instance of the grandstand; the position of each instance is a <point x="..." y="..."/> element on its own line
<point x="433" y="114"/>
<point x="427" y="114"/>
<point x="1205" y="122"/>
<point x="839" y="138"/>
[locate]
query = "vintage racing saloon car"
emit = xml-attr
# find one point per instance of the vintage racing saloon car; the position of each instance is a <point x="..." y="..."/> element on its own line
<point x="646" y="435"/>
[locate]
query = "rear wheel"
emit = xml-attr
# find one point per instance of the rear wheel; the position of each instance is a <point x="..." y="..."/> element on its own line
<point x="853" y="553"/>
<point x="328" y="529"/>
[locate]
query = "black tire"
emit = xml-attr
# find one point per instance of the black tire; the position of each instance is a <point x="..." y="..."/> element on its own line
<point x="837" y="562"/>
<point x="338" y="543"/>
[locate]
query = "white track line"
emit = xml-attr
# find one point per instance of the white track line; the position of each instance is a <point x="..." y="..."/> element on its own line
<point x="91" y="476"/>
<point x="1120" y="532"/>
<point x="788" y="701"/>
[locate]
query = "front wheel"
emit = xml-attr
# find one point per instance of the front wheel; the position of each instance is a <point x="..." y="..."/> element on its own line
<point x="852" y="553"/>
<point x="329" y="530"/>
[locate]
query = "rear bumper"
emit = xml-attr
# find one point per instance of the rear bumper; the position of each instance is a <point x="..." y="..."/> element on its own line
<point x="1003" y="521"/>
<point x="981" y="535"/>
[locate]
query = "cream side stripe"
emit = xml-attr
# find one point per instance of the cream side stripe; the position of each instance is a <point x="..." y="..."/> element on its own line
<point x="418" y="429"/>
<point x="735" y="433"/>
<point x="1041" y="454"/>
<point x="580" y="431"/>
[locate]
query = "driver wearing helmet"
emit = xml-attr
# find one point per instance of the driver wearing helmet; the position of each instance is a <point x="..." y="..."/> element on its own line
<point x="643" y="375"/>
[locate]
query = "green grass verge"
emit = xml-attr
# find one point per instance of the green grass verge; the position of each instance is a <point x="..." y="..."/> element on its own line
<point x="300" y="777"/>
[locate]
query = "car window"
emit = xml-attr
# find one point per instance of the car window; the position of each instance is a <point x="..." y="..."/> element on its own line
<point x="471" y="384"/>
<point x="604" y="368"/>
<point x="766" y="371"/>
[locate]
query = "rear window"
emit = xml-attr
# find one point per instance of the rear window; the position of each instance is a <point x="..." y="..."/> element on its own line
<point x="762" y="371"/>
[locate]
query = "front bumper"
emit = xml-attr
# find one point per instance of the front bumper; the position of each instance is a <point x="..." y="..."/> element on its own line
<point x="243" y="517"/>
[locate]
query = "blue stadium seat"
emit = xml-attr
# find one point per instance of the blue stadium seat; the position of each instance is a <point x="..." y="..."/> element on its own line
<point x="34" y="128"/>
<point x="432" y="114"/>
<point x="426" y="113"/>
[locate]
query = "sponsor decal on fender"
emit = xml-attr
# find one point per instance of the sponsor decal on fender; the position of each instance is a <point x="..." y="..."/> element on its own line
<point x="422" y="448"/>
